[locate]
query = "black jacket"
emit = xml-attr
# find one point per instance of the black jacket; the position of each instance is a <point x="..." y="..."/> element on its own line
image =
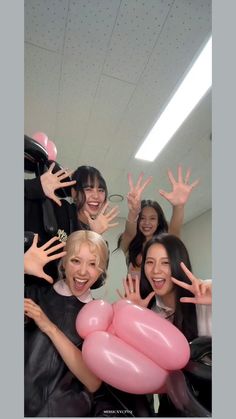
<point x="50" y="389"/>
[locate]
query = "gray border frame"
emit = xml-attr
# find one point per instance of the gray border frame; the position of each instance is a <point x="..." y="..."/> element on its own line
<point x="223" y="140"/>
<point x="12" y="169"/>
<point x="223" y="190"/>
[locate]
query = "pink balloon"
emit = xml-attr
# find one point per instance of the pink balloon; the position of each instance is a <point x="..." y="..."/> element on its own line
<point x="118" y="305"/>
<point x="41" y="138"/>
<point x="111" y="329"/>
<point x="52" y="150"/>
<point x="152" y="335"/>
<point x="95" y="315"/>
<point x="120" y="365"/>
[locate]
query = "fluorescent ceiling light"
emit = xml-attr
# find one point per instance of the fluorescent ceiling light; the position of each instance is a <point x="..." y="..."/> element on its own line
<point x="194" y="86"/>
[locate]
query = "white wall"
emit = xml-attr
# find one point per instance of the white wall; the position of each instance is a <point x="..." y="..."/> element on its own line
<point x="196" y="235"/>
<point x="117" y="267"/>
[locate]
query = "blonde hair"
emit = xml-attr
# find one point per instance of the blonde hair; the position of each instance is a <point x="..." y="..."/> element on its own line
<point x="97" y="246"/>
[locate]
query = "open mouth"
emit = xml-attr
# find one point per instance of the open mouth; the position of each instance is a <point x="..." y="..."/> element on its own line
<point x="93" y="206"/>
<point x="158" y="283"/>
<point x="80" y="283"/>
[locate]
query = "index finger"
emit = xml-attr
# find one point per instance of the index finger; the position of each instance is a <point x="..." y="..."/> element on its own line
<point x="149" y="179"/>
<point x="49" y="242"/>
<point x="181" y="283"/>
<point x="137" y="283"/>
<point x="187" y="272"/>
<point x="104" y="208"/>
<point x="171" y="177"/>
<point x="130" y="180"/>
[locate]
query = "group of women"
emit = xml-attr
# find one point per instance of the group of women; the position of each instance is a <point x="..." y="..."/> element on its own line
<point x="159" y="276"/>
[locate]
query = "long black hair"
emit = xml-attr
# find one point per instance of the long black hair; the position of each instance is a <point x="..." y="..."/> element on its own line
<point x="136" y="245"/>
<point x="87" y="176"/>
<point x="185" y="317"/>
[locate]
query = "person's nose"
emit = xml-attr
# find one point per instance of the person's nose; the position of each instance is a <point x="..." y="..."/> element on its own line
<point x="94" y="193"/>
<point x="82" y="268"/>
<point x="157" y="267"/>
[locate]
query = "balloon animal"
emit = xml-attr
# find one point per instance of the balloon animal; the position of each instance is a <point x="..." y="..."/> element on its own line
<point x="130" y="347"/>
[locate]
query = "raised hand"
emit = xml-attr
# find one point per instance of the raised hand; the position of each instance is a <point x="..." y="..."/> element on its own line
<point x="135" y="192"/>
<point x="33" y="311"/>
<point x="181" y="189"/>
<point x="37" y="257"/>
<point x="103" y="220"/>
<point x="132" y="291"/>
<point x="201" y="290"/>
<point x="52" y="181"/>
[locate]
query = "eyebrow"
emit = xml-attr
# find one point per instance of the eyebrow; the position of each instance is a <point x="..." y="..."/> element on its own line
<point x="78" y="257"/>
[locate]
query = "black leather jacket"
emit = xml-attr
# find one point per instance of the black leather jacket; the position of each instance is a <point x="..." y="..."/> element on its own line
<point x="50" y="389"/>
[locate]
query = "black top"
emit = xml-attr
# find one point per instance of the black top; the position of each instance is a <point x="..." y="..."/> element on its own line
<point x="50" y="388"/>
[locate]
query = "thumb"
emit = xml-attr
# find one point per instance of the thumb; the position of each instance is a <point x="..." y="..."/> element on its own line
<point x="57" y="200"/>
<point x="149" y="297"/>
<point x="47" y="278"/>
<point x="119" y="293"/>
<point x="163" y="193"/>
<point x="87" y="215"/>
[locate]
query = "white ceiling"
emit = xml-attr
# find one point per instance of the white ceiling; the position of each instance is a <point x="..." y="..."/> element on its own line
<point x="97" y="75"/>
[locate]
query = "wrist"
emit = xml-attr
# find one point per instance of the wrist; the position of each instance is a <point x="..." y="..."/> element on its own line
<point x="51" y="330"/>
<point x="179" y="206"/>
<point x="133" y="216"/>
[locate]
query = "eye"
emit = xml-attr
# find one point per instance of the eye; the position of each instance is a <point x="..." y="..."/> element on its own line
<point x="92" y="264"/>
<point x="101" y="190"/>
<point x="148" y="262"/>
<point x="75" y="260"/>
<point x="165" y="262"/>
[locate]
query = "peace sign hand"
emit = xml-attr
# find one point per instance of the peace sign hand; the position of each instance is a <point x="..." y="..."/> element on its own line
<point x="52" y="181"/>
<point x="201" y="290"/>
<point x="181" y="190"/>
<point x="135" y="192"/>
<point x="103" y="220"/>
<point x="132" y="292"/>
<point x="37" y="257"/>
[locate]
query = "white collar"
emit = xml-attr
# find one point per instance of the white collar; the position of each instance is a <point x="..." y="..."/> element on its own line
<point x="62" y="288"/>
<point x="161" y="305"/>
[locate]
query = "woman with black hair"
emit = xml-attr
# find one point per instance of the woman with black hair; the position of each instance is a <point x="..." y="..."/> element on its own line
<point x="146" y="217"/>
<point x="90" y="197"/>
<point x="168" y="287"/>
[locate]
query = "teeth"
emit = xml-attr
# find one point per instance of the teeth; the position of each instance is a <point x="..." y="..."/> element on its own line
<point x="158" y="279"/>
<point x="82" y="281"/>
